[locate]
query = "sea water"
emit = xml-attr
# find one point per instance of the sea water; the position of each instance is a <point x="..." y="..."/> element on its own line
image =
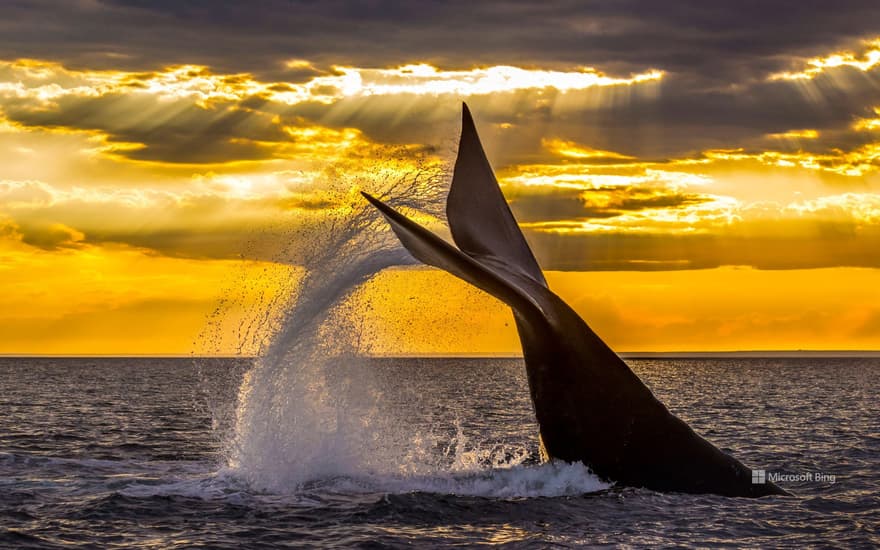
<point x="120" y="452"/>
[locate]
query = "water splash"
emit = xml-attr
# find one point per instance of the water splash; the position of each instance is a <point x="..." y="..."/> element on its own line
<point x="305" y="407"/>
<point x="309" y="408"/>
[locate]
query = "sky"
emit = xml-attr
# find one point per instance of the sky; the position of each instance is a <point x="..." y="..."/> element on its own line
<point x="692" y="175"/>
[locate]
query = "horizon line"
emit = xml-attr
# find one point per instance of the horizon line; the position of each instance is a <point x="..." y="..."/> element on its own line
<point x="480" y="355"/>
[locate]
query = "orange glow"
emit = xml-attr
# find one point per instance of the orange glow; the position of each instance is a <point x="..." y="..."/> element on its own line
<point x="118" y="300"/>
<point x="707" y="310"/>
<point x="129" y="200"/>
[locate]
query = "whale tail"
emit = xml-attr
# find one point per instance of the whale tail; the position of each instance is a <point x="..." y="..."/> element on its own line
<point x="430" y="249"/>
<point x="589" y="405"/>
<point x="492" y="252"/>
<point x="480" y="220"/>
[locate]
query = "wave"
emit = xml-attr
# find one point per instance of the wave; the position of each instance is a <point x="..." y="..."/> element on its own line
<point x="522" y="481"/>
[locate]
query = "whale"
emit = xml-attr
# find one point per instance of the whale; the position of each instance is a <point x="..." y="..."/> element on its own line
<point x="590" y="407"/>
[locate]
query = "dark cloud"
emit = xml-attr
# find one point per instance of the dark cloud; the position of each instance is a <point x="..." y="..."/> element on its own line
<point x="558" y="251"/>
<point x="547" y="205"/>
<point x="680" y="119"/>
<point x="657" y="252"/>
<point x="716" y="55"/>
<point x="54" y="236"/>
<point x="562" y="204"/>
<point x="687" y="36"/>
<point x="169" y="131"/>
<point x="677" y="123"/>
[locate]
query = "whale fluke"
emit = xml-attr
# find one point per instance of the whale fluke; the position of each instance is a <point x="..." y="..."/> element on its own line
<point x="590" y="406"/>
<point x="430" y="249"/>
<point x="480" y="220"/>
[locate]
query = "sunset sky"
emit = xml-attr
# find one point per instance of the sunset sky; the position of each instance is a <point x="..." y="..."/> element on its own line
<point x="693" y="175"/>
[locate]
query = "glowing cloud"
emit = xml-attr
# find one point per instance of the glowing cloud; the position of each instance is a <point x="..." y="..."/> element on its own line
<point x="572" y="150"/>
<point x="868" y="124"/>
<point x="855" y="163"/>
<point x="424" y="79"/>
<point x="863" y="61"/>
<point x="795" y="135"/>
<point x="605" y="192"/>
<point x="47" y="81"/>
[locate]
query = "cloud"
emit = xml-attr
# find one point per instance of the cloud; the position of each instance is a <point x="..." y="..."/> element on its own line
<point x="53" y="236"/>
<point x="863" y="61"/>
<point x="858" y="162"/>
<point x="683" y="35"/>
<point x="536" y="204"/>
<point x="600" y="210"/>
<point x="570" y="150"/>
<point x="199" y="114"/>
<point x="678" y="213"/>
<point x="864" y="124"/>
<point x="48" y="81"/>
<point x="795" y="135"/>
<point x="220" y="215"/>
<point x="577" y="251"/>
<point x="181" y="158"/>
<point x="188" y="114"/>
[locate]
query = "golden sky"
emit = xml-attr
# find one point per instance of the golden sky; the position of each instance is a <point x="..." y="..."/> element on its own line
<point x="674" y="209"/>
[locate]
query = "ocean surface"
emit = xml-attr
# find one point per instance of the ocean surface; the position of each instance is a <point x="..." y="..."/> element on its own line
<point x="143" y="453"/>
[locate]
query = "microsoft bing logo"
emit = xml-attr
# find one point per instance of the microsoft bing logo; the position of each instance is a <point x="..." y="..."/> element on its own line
<point x="759" y="477"/>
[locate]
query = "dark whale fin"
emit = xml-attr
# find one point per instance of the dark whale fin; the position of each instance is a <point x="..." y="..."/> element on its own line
<point x="480" y="220"/>
<point x="589" y="405"/>
<point x="433" y="250"/>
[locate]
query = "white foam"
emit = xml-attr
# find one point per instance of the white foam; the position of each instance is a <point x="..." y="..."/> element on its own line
<point x="532" y="481"/>
<point x="542" y="480"/>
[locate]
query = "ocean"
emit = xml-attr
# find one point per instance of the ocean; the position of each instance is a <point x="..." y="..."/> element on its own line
<point x="423" y="452"/>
